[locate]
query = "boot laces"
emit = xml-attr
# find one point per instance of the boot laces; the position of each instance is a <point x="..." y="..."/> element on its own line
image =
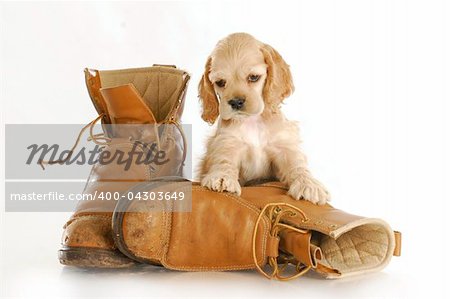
<point x="102" y="140"/>
<point x="275" y="212"/>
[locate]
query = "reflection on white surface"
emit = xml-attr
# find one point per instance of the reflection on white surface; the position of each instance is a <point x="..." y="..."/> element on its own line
<point x="155" y="281"/>
<point x="32" y="267"/>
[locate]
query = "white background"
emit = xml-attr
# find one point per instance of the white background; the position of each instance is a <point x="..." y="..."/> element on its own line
<point x="372" y="98"/>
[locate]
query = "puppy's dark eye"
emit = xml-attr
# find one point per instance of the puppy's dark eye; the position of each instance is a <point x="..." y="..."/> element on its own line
<point x="253" y="78"/>
<point x="221" y="83"/>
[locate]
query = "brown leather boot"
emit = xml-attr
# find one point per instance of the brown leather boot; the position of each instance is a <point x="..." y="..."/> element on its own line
<point x="263" y="229"/>
<point x="138" y="107"/>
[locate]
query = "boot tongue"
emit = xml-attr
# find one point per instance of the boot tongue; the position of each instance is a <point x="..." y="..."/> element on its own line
<point x="128" y="113"/>
<point x="126" y="106"/>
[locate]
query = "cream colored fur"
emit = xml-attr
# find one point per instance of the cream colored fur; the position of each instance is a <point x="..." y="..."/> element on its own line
<point x="256" y="142"/>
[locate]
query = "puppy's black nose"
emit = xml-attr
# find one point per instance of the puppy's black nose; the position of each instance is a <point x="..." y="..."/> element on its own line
<point x="236" y="103"/>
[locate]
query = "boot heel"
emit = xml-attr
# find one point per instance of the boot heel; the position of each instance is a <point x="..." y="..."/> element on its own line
<point x="93" y="258"/>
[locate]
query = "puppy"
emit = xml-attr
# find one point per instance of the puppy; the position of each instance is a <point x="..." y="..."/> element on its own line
<point x="244" y="84"/>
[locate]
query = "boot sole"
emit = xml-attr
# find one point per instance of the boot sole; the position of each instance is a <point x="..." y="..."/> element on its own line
<point x="93" y="258"/>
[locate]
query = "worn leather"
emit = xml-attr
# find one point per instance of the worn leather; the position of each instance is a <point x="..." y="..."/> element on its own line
<point x="90" y="231"/>
<point x="153" y="95"/>
<point x="349" y="244"/>
<point x="217" y="234"/>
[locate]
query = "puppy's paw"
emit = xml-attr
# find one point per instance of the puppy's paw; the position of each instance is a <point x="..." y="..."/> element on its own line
<point x="309" y="189"/>
<point x="221" y="183"/>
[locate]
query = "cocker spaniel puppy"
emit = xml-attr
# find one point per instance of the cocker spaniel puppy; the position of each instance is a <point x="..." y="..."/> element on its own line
<point x="243" y="85"/>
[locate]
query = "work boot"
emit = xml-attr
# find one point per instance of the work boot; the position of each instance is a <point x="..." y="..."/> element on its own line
<point x="140" y="111"/>
<point x="264" y="229"/>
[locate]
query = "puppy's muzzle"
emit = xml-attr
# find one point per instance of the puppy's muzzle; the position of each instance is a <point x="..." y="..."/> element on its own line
<point x="237" y="103"/>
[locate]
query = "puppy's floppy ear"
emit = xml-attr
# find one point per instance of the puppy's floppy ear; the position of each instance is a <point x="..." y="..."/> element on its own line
<point x="278" y="84"/>
<point x="207" y="96"/>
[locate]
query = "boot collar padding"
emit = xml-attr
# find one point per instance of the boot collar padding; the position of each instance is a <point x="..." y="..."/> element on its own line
<point x="161" y="88"/>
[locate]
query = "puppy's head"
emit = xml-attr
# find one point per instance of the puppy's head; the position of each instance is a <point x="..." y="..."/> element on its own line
<point x="243" y="77"/>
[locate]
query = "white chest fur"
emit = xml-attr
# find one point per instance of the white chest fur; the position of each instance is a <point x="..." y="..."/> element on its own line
<point x="255" y="162"/>
<point x="252" y="132"/>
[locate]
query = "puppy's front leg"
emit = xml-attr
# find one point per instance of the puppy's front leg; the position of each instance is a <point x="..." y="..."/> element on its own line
<point x="221" y="168"/>
<point x="293" y="171"/>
